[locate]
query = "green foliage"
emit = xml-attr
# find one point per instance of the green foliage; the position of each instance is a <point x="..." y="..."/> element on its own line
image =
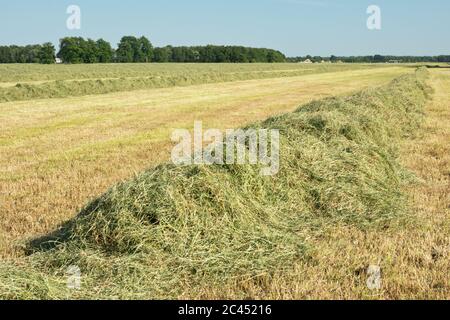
<point x="47" y="53"/>
<point x="28" y="54"/>
<point x="132" y="49"/>
<point x="217" y="54"/>
<point x="145" y="50"/>
<point x="374" y="59"/>
<point x="71" y="49"/>
<point x="78" y="50"/>
<point x="105" y="52"/>
<point x="90" y="51"/>
<point x="162" y="54"/>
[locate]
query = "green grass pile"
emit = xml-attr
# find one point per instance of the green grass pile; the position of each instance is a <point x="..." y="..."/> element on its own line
<point x="177" y="228"/>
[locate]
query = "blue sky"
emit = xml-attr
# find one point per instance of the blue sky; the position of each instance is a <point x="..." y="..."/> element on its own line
<point x="296" y="27"/>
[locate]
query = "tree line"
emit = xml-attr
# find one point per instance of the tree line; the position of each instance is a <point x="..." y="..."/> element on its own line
<point x="44" y="53"/>
<point x="140" y="49"/>
<point x="133" y="49"/>
<point x="217" y="54"/>
<point x="372" y="59"/>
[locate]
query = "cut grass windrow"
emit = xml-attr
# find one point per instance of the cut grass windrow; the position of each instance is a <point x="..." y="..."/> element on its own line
<point x="81" y="80"/>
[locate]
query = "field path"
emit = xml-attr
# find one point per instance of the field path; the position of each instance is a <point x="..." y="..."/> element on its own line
<point x="56" y="154"/>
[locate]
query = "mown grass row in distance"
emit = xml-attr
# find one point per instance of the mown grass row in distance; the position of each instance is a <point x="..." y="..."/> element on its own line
<point x="65" y="81"/>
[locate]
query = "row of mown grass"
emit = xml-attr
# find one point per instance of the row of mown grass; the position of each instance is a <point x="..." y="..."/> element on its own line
<point x="117" y="79"/>
<point x="174" y="229"/>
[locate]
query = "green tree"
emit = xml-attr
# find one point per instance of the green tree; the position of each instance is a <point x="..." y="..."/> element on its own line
<point x="378" y="58"/>
<point x="145" y="50"/>
<point x="126" y="49"/>
<point x="47" y="53"/>
<point x="104" y="51"/>
<point x="132" y="49"/>
<point x="162" y="54"/>
<point x="89" y="51"/>
<point x="71" y="50"/>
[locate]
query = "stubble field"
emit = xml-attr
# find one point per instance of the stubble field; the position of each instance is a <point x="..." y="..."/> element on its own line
<point x="69" y="133"/>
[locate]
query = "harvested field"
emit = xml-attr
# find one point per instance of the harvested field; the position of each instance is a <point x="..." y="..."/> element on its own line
<point x="226" y="231"/>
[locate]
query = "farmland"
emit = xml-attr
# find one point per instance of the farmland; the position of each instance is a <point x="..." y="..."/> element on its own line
<point x="35" y="81"/>
<point x="69" y="133"/>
